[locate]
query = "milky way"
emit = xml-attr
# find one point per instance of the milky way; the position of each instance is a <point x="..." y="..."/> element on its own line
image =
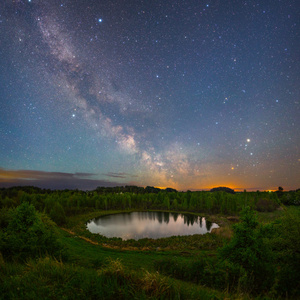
<point x="185" y="94"/>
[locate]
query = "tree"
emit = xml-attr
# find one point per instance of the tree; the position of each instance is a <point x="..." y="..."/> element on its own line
<point x="223" y="189"/>
<point x="286" y="245"/>
<point x="57" y="214"/>
<point x="29" y="234"/>
<point x="248" y="253"/>
<point x="280" y="192"/>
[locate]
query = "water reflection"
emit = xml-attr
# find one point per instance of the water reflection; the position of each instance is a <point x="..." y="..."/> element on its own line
<point x="137" y="225"/>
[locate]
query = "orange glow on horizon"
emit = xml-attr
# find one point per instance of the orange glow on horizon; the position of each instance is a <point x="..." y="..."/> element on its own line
<point x="162" y="187"/>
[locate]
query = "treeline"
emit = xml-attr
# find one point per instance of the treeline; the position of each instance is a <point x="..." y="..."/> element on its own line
<point x="259" y="260"/>
<point x="61" y="203"/>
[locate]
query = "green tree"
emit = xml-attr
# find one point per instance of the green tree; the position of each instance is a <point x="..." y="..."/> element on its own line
<point x="29" y="234"/>
<point x="249" y="254"/>
<point x="166" y="203"/>
<point x="286" y="245"/>
<point x="57" y="214"/>
<point x="175" y="204"/>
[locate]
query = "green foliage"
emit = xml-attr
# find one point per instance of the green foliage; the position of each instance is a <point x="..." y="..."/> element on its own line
<point x="57" y="214"/>
<point x="255" y="255"/>
<point x="248" y="252"/>
<point x="202" y="271"/>
<point x="266" y="205"/>
<point x="130" y="197"/>
<point x="286" y="246"/>
<point x="291" y="198"/>
<point x="47" y="278"/>
<point x="28" y="234"/>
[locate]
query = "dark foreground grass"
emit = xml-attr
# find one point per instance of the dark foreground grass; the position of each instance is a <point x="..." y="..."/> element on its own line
<point x="92" y="270"/>
<point x="47" y="278"/>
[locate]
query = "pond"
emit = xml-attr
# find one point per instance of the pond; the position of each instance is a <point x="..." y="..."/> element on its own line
<point x="138" y="225"/>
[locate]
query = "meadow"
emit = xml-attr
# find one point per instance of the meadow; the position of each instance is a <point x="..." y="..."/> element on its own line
<point x="47" y="253"/>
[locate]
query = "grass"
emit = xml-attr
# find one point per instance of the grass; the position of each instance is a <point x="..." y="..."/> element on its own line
<point x="77" y="225"/>
<point x="58" y="280"/>
<point x="121" y="270"/>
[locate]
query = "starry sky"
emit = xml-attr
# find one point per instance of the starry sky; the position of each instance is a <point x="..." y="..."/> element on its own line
<point x="182" y="94"/>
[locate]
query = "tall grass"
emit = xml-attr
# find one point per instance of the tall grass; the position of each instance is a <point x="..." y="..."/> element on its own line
<point x="48" y="278"/>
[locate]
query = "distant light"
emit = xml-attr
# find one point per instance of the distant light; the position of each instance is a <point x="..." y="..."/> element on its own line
<point x="100" y="20"/>
<point x="248" y="140"/>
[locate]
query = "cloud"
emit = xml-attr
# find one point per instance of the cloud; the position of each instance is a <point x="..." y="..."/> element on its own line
<point x="54" y="180"/>
<point x="119" y="175"/>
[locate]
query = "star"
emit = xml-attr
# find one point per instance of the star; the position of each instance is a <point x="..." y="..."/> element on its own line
<point x="191" y="86"/>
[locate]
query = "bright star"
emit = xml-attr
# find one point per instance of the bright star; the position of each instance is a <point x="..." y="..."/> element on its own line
<point x="100" y="20"/>
<point x="248" y="140"/>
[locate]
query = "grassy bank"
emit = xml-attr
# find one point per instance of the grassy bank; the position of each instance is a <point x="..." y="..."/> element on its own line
<point x="84" y="265"/>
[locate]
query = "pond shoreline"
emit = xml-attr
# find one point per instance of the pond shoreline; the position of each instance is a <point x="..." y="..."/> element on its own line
<point x="197" y="242"/>
<point x="149" y="224"/>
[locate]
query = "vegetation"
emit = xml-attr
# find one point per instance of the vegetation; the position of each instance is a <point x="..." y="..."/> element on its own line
<point x="46" y="251"/>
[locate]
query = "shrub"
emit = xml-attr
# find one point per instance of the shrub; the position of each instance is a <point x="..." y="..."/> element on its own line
<point x="57" y="214"/>
<point x="29" y="234"/>
<point x="248" y="252"/>
<point x="286" y="245"/>
<point x="265" y="205"/>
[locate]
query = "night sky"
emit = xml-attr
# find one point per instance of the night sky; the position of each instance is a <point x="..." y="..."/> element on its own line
<point x="182" y="94"/>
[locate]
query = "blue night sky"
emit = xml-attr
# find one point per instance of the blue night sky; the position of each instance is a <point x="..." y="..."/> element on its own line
<point x="182" y="94"/>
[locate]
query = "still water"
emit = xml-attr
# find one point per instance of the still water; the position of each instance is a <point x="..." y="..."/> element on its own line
<point x="138" y="225"/>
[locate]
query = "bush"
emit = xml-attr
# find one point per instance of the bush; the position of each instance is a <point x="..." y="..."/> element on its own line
<point x="57" y="214"/>
<point x="286" y="245"/>
<point x="202" y="271"/>
<point x="265" y="205"/>
<point x="248" y="252"/>
<point x="29" y="234"/>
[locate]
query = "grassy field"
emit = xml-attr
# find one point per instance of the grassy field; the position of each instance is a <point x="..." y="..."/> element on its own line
<point x="93" y="266"/>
